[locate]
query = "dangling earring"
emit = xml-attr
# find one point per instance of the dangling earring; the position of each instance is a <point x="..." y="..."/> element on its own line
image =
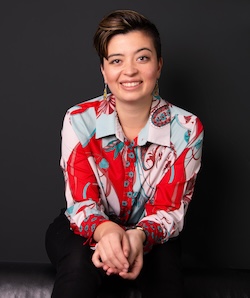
<point x="105" y="92"/>
<point x="156" y="89"/>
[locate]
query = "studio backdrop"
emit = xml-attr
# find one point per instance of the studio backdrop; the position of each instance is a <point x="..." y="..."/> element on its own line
<point x="48" y="64"/>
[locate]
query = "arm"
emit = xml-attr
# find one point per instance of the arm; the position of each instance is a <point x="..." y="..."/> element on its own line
<point x="85" y="209"/>
<point x="165" y="213"/>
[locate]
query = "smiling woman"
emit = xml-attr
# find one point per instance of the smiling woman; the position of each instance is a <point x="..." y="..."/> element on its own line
<point x="130" y="161"/>
<point x="131" y="74"/>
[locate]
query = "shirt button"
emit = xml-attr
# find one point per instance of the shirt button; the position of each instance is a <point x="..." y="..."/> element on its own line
<point x="131" y="155"/>
<point x="126" y="183"/>
<point x="127" y="164"/>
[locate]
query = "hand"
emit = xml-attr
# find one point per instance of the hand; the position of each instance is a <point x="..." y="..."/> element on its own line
<point x="135" y="258"/>
<point x="113" y="248"/>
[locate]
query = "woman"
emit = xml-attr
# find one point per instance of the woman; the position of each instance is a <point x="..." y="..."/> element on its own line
<point x="130" y="160"/>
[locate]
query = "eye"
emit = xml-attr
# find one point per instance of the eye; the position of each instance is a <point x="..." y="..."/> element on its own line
<point x="115" y="61"/>
<point x="143" y="58"/>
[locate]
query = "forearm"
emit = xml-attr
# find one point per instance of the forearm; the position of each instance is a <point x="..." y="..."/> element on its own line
<point x="162" y="225"/>
<point x="105" y="228"/>
<point x="137" y="233"/>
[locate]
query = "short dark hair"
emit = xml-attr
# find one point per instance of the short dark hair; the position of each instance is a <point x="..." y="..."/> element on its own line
<point x="122" y="22"/>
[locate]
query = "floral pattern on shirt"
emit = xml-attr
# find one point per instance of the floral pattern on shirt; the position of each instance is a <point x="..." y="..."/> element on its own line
<point x="147" y="182"/>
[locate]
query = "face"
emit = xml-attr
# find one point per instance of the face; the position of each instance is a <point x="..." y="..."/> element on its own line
<point x="131" y="68"/>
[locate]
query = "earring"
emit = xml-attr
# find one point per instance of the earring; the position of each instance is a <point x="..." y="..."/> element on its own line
<point x="105" y="92"/>
<point x="156" y="90"/>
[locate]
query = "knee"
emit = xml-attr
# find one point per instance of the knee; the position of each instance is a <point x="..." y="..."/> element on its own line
<point x="76" y="274"/>
<point x="76" y="261"/>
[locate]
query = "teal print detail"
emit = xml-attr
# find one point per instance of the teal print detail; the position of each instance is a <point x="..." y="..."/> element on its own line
<point x="70" y="209"/>
<point x="104" y="164"/>
<point x="85" y="190"/>
<point x="172" y="174"/>
<point x="159" y="229"/>
<point x="198" y="144"/>
<point x="135" y="194"/>
<point x="187" y="136"/>
<point x="115" y="146"/>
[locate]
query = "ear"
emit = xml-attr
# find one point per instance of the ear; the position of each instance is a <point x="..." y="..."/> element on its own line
<point x="103" y="73"/>
<point x="160" y="64"/>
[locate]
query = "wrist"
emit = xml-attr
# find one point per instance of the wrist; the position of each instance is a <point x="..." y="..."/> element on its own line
<point x="106" y="228"/>
<point x="141" y="231"/>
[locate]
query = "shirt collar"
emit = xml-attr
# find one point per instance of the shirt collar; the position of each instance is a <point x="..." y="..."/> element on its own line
<point x="156" y="131"/>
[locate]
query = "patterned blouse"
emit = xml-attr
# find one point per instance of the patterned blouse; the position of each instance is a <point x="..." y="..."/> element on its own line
<point x="146" y="182"/>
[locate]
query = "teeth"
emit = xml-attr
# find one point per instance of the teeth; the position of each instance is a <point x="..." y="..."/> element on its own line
<point x="131" y="84"/>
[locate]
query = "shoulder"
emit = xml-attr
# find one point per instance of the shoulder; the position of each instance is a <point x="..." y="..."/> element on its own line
<point x="185" y="117"/>
<point x="176" y="110"/>
<point x="164" y="112"/>
<point x="90" y="104"/>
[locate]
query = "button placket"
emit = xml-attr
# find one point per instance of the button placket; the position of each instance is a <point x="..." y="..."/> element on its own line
<point x="129" y="179"/>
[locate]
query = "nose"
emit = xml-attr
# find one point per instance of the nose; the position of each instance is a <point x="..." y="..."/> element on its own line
<point x="130" y="68"/>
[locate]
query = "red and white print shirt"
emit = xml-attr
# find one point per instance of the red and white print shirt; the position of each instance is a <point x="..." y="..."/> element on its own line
<point x="147" y="182"/>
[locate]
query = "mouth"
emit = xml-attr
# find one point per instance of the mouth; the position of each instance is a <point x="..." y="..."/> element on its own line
<point x="130" y="84"/>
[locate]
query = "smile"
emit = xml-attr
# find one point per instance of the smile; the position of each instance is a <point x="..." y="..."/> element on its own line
<point x="131" y="84"/>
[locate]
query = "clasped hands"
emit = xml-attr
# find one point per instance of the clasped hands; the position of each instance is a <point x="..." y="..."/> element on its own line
<point x="118" y="251"/>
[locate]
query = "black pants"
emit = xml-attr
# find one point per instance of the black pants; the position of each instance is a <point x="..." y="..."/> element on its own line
<point x="161" y="275"/>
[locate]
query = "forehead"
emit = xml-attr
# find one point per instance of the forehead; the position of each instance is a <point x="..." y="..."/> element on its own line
<point x="129" y="42"/>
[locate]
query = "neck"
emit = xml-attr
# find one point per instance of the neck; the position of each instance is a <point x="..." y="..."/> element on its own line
<point x="132" y="117"/>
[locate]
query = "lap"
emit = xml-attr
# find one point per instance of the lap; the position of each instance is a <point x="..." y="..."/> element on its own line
<point x="76" y="274"/>
<point x="60" y="241"/>
<point x="161" y="272"/>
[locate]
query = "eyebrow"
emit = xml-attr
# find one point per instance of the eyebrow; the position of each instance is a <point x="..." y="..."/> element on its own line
<point x="139" y="50"/>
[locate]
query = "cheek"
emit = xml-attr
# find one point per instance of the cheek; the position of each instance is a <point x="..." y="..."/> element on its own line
<point x="152" y="75"/>
<point x="111" y="76"/>
<point x="151" y="72"/>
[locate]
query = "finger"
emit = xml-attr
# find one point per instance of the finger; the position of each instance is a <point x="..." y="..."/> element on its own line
<point x="135" y="269"/>
<point x="113" y="256"/>
<point x="129" y="275"/>
<point x="112" y="271"/>
<point x="96" y="259"/>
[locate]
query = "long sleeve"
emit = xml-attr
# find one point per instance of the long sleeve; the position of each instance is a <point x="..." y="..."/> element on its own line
<point x="165" y="212"/>
<point x="84" y="207"/>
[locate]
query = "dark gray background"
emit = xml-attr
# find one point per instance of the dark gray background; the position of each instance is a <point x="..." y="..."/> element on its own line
<point x="48" y="64"/>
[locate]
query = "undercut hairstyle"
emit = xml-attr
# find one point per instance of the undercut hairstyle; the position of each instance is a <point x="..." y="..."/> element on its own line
<point x="122" y="22"/>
